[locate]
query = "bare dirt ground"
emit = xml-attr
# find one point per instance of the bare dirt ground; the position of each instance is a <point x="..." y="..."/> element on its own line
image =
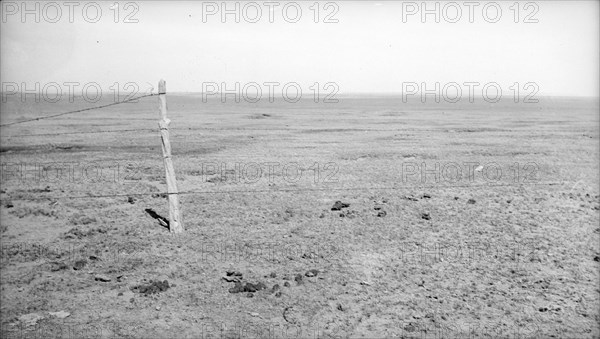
<point x="489" y="255"/>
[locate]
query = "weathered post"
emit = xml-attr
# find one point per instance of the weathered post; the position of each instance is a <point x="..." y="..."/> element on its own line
<point x="175" y="222"/>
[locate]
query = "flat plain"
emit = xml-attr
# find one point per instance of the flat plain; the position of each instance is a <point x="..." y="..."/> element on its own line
<point x="463" y="219"/>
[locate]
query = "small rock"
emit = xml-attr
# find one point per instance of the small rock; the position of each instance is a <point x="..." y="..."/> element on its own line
<point x="278" y="294"/>
<point x="322" y="215"/>
<point x="248" y="287"/>
<point x="543" y="309"/>
<point x="426" y="196"/>
<point x="102" y="278"/>
<point x="120" y="278"/>
<point x="254" y="287"/>
<point x="158" y="308"/>
<point x="377" y="208"/>
<point x="298" y="279"/>
<point x="120" y="294"/>
<point x="341" y="307"/>
<point x="57" y="266"/>
<point x="381" y="214"/>
<point x="79" y="264"/>
<point x="338" y="205"/>
<point x="234" y="273"/>
<point x="456" y="198"/>
<point x="597" y="258"/>
<point x="30" y="319"/>
<point x="250" y="295"/>
<point x="131" y="200"/>
<point x="237" y="288"/>
<point x="231" y="279"/>
<point x="425" y="216"/>
<point x="273" y="275"/>
<point x="286" y="284"/>
<point x="471" y="201"/>
<point x="60" y="314"/>
<point x="508" y="201"/>
<point x="275" y="288"/>
<point x="366" y="283"/>
<point x="311" y="273"/>
<point x="254" y="314"/>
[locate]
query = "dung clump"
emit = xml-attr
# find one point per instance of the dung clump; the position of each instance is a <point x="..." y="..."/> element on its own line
<point x="152" y="287"/>
<point x="339" y="205"/>
<point x="247" y="287"/>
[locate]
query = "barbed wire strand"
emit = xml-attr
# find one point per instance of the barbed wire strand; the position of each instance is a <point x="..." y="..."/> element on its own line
<point x="86" y="132"/>
<point x="243" y="129"/>
<point x="79" y="110"/>
<point x="197" y="192"/>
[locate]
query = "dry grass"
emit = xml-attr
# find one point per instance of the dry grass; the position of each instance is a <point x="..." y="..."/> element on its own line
<point x="522" y="258"/>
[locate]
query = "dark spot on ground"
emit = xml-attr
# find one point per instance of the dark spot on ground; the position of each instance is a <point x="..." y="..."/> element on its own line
<point x="338" y="205"/>
<point x="57" y="266"/>
<point x="247" y="287"/>
<point x="234" y="273"/>
<point x="311" y="273"/>
<point x="152" y="288"/>
<point x="79" y="264"/>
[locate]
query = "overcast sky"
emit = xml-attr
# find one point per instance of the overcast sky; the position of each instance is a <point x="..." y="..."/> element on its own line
<point x="372" y="48"/>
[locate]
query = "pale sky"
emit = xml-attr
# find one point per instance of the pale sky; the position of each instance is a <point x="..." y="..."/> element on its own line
<point x="370" y="49"/>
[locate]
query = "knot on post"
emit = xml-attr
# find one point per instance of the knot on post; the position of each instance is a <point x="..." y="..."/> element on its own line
<point x="164" y="124"/>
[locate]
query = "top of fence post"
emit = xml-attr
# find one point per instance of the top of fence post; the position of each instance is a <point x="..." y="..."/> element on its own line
<point x="162" y="87"/>
<point x="162" y="91"/>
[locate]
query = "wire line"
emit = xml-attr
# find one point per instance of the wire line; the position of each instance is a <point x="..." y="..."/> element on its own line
<point x="77" y="111"/>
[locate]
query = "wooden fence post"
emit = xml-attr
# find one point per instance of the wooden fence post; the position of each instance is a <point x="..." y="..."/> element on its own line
<point x="175" y="222"/>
